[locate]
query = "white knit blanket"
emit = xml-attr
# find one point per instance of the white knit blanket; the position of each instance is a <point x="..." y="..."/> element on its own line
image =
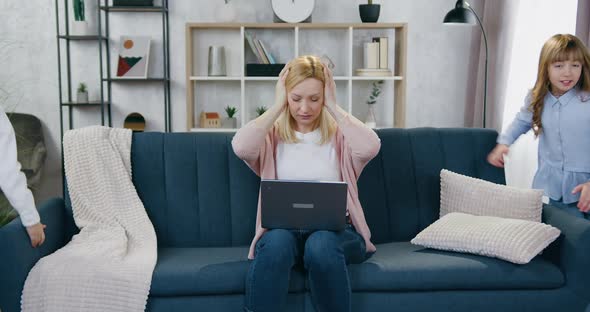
<point x="107" y="266"/>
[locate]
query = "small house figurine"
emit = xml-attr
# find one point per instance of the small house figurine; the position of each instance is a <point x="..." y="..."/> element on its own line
<point x="210" y="120"/>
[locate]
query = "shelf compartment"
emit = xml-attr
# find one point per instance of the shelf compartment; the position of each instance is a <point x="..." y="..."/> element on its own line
<point x="214" y="96"/>
<point x="279" y="42"/>
<point x="229" y="38"/>
<point x="334" y="44"/>
<point x="384" y="110"/>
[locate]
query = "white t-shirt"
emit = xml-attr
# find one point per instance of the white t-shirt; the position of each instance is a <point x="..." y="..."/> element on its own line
<point x="307" y="160"/>
<point x="12" y="181"/>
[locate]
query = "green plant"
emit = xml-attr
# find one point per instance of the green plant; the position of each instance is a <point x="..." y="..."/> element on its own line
<point x="231" y="111"/>
<point x="370" y="2"/>
<point x="82" y="88"/>
<point x="260" y="110"/>
<point x="79" y="10"/>
<point x="376" y="90"/>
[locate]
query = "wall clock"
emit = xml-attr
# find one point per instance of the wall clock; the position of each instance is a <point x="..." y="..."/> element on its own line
<point x="293" y="11"/>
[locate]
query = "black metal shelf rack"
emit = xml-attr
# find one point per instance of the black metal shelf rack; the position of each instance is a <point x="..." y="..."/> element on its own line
<point x="102" y="38"/>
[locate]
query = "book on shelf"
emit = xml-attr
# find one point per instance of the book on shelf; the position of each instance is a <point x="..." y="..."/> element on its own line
<point x="271" y="60"/>
<point x="373" y="72"/>
<point x="375" y="58"/>
<point x="371" y="55"/>
<point x="383" y="51"/>
<point x="260" y="51"/>
<point x="252" y="45"/>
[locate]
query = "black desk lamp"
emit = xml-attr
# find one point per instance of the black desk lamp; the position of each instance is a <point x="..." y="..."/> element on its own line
<point x="463" y="14"/>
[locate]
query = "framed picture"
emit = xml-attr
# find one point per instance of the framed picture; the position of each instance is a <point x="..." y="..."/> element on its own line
<point x="134" y="55"/>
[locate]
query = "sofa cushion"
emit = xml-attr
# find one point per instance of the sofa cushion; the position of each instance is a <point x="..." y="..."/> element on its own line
<point x="205" y="271"/>
<point x="513" y="240"/>
<point x="406" y="267"/>
<point x="460" y="193"/>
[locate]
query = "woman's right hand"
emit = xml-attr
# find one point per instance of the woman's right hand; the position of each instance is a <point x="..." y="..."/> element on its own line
<point x="496" y="156"/>
<point x="281" y="89"/>
<point x="259" y="232"/>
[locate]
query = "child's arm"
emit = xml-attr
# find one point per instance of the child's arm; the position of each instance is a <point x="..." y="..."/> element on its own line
<point x="521" y="124"/>
<point x="14" y="183"/>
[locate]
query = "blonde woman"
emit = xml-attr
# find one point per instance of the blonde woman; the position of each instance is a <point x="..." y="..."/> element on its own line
<point x="305" y="135"/>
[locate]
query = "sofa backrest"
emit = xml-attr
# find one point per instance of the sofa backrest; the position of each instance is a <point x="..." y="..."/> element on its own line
<point x="400" y="188"/>
<point x="198" y="193"/>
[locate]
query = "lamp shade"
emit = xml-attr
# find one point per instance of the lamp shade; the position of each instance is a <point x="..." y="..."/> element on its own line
<point x="459" y="15"/>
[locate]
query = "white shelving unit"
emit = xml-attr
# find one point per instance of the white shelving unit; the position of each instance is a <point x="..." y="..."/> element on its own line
<point x="343" y="43"/>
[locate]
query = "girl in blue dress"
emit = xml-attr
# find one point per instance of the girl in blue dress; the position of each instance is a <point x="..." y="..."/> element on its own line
<point x="557" y="109"/>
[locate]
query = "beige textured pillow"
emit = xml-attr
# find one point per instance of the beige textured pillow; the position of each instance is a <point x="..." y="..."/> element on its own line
<point x="513" y="240"/>
<point x="459" y="193"/>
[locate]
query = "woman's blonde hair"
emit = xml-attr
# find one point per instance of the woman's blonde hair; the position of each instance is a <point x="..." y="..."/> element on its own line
<point x="301" y="68"/>
<point x="560" y="47"/>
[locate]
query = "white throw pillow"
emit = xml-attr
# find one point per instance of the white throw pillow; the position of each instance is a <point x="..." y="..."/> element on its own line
<point x="513" y="240"/>
<point x="459" y="193"/>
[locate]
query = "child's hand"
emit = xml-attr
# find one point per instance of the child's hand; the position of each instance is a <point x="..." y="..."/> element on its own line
<point x="584" y="202"/>
<point x="37" y="234"/>
<point x="496" y="156"/>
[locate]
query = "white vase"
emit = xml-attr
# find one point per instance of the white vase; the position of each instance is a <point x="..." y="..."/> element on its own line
<point x="226" y="12"/>
<point x="79" y="28"/>
<point x="82" y="97"/>
<point x="230" y="123"/>
<point x="371" y="121"/>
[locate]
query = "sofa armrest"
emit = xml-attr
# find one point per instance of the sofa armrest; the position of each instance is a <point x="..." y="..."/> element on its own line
<point x="571" y="251"/>
<point x="19" y="257"/>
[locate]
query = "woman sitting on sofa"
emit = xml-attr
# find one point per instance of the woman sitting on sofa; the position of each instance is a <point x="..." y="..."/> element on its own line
<point x="305" y="135"/>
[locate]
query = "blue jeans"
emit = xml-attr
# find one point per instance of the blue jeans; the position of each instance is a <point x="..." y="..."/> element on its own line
<point x="324" y="255"/>
<point x="569" y="208"/>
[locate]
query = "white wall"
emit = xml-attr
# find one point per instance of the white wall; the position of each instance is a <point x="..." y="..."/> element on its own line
<point x="438" y="68"/>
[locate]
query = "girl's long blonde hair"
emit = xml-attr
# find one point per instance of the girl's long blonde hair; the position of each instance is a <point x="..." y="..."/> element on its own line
<point x="560" y="47"/>
<point x="301" y="68"/>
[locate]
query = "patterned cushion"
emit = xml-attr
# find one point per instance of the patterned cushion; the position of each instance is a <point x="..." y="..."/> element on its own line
<point x="459" y="193"/>
<point x="513" y="240"/>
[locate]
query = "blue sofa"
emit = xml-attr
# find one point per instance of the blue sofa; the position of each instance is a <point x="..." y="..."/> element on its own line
<point x="202" y="201"/>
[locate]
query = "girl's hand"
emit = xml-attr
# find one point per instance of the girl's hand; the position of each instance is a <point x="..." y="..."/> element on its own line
<point x="584" y="202"/>
<point x="280" y="89"/>
<point x="36" y="234"/>
<point x="329" y="88"/>
<point x="496" y="156"/>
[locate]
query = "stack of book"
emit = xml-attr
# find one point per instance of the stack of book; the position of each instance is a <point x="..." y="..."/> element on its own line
<point x="260" y="51"/>
<point x="375" y="61"/>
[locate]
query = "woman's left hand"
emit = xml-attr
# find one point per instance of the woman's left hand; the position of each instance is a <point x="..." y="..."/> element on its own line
<point x="370" y="246"/>
<point x="584" y="202"/>
<point x="329" y="88"/>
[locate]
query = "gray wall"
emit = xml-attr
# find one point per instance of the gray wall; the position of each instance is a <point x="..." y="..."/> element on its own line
<point x="440" y="62"/>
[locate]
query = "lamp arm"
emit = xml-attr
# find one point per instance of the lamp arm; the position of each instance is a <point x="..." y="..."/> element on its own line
<point x="485" y="41"/>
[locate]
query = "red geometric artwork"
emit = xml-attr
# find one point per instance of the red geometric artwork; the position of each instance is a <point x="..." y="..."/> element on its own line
<point x="125" y="64"/>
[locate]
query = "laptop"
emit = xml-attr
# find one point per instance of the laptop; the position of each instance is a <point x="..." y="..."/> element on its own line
<point x="303" y="205"/>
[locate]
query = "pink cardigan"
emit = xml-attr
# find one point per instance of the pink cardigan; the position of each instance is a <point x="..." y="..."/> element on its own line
<point x="355" y="143"/>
